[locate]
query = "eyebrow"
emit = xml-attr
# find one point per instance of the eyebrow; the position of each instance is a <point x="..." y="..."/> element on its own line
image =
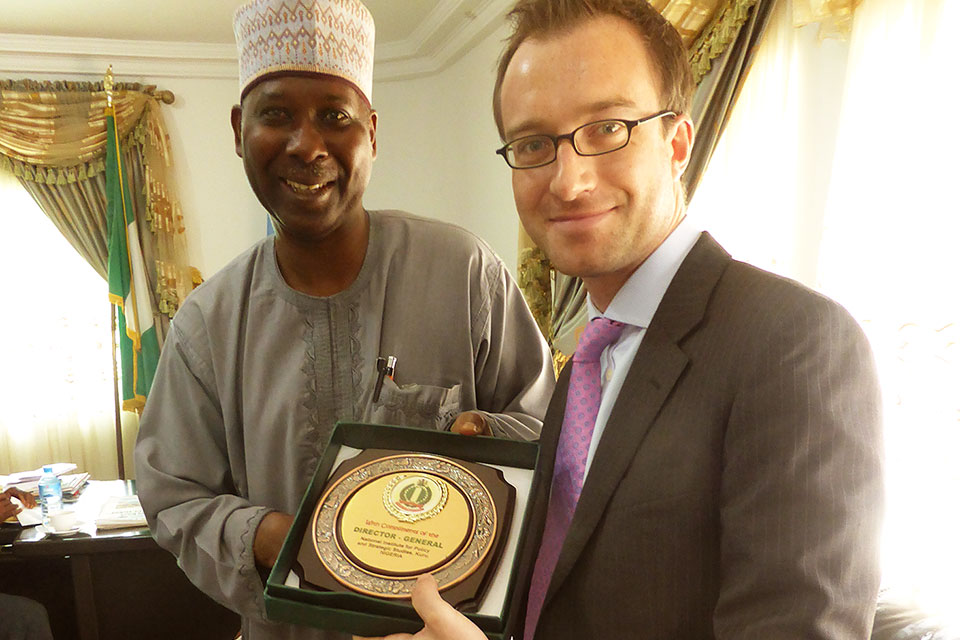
<point x="279" y="94"/>
<point x="535" y="125"/>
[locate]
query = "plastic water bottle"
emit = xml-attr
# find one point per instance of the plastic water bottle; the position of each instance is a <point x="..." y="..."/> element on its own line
<point x="51" y="494"/>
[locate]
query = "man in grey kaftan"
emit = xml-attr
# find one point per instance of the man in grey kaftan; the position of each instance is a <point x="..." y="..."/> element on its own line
<point x="254" y="375"/>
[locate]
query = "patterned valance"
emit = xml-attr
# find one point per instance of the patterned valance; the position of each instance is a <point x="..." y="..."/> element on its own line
<point x="55" y="132"/>
<point x="706" y="27"/>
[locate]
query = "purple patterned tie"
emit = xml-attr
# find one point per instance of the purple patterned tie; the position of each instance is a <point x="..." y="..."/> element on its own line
<point x="583" y="403"/>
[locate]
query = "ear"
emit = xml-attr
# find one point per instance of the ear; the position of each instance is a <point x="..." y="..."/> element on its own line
<point x="373" y="132"/>
<point x="236" y="119"/>
<point x="681" y="144"/>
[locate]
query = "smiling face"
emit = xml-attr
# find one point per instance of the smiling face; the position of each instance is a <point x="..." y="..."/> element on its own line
<point x="308" y="145"/>
<point x="595" y="217"/>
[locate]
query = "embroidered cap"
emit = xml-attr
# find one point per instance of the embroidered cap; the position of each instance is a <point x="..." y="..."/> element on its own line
<point x="331" y="37"/>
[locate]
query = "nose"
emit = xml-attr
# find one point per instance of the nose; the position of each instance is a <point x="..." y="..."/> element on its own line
<point x="306" y="142"/>
<point x="573" y="174"/>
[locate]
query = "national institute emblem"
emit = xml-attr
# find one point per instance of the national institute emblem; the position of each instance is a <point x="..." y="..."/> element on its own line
<point x="415" y="496"/>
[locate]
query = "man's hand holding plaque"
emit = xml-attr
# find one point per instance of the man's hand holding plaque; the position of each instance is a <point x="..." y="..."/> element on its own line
<point x="441" y="621"/>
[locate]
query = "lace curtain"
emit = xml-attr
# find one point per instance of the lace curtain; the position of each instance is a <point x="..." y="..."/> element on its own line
<point x="889" y="253"/>
<point x="835" y="17"/>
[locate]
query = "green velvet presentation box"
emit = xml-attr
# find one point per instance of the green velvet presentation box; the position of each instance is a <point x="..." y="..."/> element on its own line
<point x="363" y="615"/>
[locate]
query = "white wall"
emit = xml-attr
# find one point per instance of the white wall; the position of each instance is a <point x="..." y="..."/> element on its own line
<point x="435" y="141"/>
<point x="436" y="147"/>
<point x="220" y="212"/>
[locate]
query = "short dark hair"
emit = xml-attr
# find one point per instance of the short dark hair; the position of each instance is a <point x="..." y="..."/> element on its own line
<point x="539" y="18"/>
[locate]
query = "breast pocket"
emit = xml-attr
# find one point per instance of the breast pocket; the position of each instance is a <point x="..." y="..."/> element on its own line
<point x="415" y="405"/>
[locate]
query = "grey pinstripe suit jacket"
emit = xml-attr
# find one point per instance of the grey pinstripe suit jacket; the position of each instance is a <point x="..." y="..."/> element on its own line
<point x="737" y="491"/>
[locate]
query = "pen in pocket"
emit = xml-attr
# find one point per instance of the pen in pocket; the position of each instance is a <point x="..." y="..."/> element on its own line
<point x="386" y="367"/>
<point x="378" y="387"/>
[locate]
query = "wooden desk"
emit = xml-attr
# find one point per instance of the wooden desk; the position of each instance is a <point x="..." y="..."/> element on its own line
<point x="105" y="585"/>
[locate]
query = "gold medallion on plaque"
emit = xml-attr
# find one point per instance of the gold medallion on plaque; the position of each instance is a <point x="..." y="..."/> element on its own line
<point x="414" y="496"/>
<point x="385" y="518"/>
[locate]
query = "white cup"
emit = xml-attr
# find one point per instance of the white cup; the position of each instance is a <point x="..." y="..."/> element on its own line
<point x="63" y="520"/>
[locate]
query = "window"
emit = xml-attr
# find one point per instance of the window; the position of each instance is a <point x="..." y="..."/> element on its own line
<point x="837" y="169"/>
<point x="57" y="376"/>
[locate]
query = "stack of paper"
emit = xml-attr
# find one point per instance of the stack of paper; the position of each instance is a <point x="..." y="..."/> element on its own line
<point x="59" y="468"/>
<point x="70" y="484"/>
<point x="120" y="512"/>
<point x="29" y="517"/>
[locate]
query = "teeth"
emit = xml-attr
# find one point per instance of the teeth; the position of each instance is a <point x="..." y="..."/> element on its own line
<point x="303" y="188"/>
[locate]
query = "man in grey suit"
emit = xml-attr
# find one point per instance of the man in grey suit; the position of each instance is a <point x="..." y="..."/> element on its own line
<point x="728" y="484"/>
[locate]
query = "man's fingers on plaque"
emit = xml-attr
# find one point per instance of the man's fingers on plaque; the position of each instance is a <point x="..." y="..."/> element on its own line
<point x="442" y="621"/>
<point x="470" y="423"/>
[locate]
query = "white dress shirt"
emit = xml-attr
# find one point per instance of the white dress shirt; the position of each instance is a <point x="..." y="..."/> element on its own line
<point x="634" y="305"/>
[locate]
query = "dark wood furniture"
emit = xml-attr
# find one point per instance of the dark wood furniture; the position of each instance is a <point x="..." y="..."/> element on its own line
<point x="105" y="585"/>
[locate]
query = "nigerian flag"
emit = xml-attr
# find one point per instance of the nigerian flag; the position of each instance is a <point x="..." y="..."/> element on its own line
<point x="139" y="349"/>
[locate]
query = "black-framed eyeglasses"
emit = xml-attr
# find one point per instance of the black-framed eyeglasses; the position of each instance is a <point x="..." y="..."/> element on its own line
<point x="591" y="139"/>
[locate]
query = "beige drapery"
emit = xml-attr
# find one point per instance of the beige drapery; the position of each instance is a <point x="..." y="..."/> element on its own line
<point x="835" y="17"/>
<point x="53" y="139"/>
<point x="722" y="37"/>
<point x="717" y="91"/>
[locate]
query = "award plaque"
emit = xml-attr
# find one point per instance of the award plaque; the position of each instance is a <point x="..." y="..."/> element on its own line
<point x="385" y="517"/>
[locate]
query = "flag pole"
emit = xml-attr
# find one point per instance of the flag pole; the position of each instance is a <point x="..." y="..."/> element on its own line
<point x="108" y="88"/>
<point x="116" y="391"/>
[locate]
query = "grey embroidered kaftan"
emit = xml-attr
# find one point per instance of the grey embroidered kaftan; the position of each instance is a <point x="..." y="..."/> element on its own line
<point x="254" y="375"/>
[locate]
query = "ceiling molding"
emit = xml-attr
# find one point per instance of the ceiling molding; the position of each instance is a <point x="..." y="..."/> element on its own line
<point x="90" y="56"/>
<point x="401" y="65"/>
<point x="419" y="55"/>
<point x="412" y="46"/>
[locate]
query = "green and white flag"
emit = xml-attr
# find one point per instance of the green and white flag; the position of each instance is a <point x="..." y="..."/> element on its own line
<point x="139" y="348"/>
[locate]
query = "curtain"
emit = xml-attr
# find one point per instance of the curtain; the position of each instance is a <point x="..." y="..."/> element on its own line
<point x="56" y="382"/>
<point x="557" y="301"/>
<point x="75" y="209"/>
<point x="834" y="17"/>
<point x="717" y="91"/>
<point x="52" y="138"/>
<point x="847" y="152"/>
<point x="889" y="253"/>
<point x="52" y="141"/>
<point x="764" y="194"/>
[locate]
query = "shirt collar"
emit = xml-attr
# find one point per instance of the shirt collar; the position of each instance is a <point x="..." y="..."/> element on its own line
<point x="638" y="298"/>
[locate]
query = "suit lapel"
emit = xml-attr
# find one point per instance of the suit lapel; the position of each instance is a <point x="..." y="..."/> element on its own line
<point x="652" y="376"/>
